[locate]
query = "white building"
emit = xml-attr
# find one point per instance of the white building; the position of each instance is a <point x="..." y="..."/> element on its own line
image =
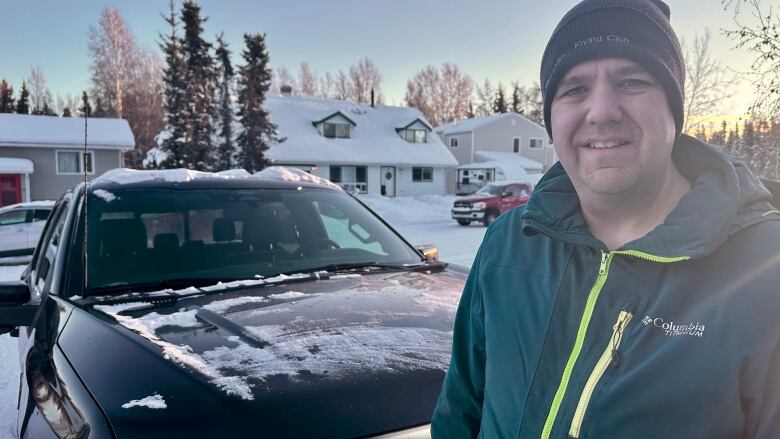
<point x="376" y="150"/>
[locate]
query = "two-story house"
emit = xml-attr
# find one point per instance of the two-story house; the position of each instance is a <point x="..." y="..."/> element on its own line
<point x="509" y="142"/>
<point x="381" y="150"/>
<point x="43" y="156"/>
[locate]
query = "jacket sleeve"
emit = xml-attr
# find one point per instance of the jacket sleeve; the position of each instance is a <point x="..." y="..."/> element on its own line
<point x="459" y="409"/>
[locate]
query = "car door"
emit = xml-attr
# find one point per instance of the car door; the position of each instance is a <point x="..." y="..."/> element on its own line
<point x="13" y="231"/>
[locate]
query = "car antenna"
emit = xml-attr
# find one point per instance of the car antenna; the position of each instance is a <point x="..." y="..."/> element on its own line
<point x="86" y="192"/>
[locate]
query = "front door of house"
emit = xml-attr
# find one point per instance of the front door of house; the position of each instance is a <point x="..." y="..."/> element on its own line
<point x="387" y="181"/>
<point x="10" y="189"/>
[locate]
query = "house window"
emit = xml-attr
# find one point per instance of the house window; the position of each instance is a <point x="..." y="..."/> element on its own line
<point x="416" y="136"/>
<point x="535" y="143"/>
<point x="516" y="144"/>
<point x="69" y="162"/>
<point x="335" y="130"/>
<point x="454" y="142"/>
<point x="422" y="174"/>
<point x="351" y="178"/>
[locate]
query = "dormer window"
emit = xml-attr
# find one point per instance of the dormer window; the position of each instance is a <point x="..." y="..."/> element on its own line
<point x="335" y="125"/>
<point x="336" y="130"/>
<point x="415" y="132"/>
<point x="416" y="136"/>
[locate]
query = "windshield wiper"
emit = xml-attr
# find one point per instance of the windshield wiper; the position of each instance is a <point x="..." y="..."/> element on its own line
<point x="154" y="286"/>
<point x="372" y="266"/>
<point x="161" y="293"/>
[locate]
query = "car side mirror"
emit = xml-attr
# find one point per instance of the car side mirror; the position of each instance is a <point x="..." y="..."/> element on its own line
<point x="429" y="251"/>
<point x="15" y="309"/>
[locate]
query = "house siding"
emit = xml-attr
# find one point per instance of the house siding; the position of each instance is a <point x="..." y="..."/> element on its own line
<point x="462" y="152"/>
<point x="499" y="135"/>
<point x="45" y="183"/>
<point x="406" y="187"/>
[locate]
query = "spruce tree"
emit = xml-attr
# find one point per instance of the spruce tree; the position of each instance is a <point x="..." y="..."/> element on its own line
<point x="174" y="92"/>
<point x="257" y="133"/>
<point x="200" y="79"/>
<point x="86" y="109"/>
<point x="226" y="147"/>
<point x="517" y="100"/>
<point x="6" y="97"/>
<point x="500" y="105"/>
<point x="23" y="104"/>
<point x="66" y="112"/>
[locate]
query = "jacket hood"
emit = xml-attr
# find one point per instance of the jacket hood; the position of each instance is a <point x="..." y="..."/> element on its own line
<point x="724" y="198"/>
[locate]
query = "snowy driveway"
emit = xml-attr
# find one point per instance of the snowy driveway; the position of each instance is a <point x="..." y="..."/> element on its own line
<point x="421" y="220"/>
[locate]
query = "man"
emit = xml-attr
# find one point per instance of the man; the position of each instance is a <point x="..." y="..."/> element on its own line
<point x="637" y="295"/>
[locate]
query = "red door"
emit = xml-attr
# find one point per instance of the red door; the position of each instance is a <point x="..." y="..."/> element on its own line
<point x="10" y="189"/>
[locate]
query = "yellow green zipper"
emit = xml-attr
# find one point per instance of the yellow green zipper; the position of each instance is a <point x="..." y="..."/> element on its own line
<point x="598" y="372"/>
<point x="590" y="305"/>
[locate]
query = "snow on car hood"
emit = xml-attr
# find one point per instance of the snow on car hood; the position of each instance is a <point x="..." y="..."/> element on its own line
<point x="320" y="330"/>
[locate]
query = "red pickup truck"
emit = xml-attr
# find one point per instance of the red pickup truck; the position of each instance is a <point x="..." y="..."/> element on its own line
<point x="490" y="201"/>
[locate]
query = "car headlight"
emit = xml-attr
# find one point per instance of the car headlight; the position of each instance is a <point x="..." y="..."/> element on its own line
<point x="480" y="205"/>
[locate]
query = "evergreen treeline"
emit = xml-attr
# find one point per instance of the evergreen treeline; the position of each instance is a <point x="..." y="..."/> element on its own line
<point x="199" y="83"/>
<point x="756" y="142"/>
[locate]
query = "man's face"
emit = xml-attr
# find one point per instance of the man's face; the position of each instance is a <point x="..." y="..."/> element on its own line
<point x="612" y="127"/>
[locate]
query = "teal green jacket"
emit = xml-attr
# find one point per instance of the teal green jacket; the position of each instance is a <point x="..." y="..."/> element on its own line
<point x="674" y="335"/>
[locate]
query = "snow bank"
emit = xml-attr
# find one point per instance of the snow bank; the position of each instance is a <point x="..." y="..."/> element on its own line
<point x="418" y="209"/>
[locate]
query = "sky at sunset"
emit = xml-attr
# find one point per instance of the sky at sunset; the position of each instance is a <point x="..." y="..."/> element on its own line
<point x="499" y="39"/>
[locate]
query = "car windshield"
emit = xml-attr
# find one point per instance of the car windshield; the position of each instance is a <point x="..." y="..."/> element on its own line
<point x="490" y="189"/>
<point x="153" y="235"/>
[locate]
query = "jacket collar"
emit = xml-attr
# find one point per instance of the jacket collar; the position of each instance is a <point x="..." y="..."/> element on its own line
<point x="724" y="198"/>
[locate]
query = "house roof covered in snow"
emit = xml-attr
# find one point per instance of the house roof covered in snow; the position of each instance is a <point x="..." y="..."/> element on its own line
<point x="468" y="125"/>
<point x="15" y="166"/>
<point x="509" y="157"/>
<point x="26" y="130"/>
<point x="373" y="140"/>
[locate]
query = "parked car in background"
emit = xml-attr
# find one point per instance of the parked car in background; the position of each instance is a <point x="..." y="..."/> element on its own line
<point x="21" y="225"/>
<point x="490" y="201"/>
<point x="227" y="305"/>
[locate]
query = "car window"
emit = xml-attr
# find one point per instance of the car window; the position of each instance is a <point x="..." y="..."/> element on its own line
<point x="49" y="248"/>
<point x="152" y="235"/>
<point x="342" y="230"/>
<point x="40" y="214"/>
<point x="509" y="191"/>
<point x="13" y="217"/>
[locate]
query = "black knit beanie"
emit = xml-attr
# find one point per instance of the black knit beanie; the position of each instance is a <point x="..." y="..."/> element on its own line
<point x="635" y="29"/>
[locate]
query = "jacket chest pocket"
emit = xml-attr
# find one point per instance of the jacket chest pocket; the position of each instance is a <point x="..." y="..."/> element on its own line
<point x="609" y="357"/>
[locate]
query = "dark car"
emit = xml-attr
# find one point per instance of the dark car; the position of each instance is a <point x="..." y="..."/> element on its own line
<point x="225" y="305"/>
<point x="490" y="201"/>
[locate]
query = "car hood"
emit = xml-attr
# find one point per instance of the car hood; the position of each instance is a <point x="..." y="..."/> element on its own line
<point x="348" y="356"/>
<point x="474" y="198"/>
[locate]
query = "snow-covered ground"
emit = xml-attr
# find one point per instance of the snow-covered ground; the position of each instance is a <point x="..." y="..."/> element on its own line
<point x="425" y="219"/>
<point x="9" y="365"/>
<point x="421" y="220"/>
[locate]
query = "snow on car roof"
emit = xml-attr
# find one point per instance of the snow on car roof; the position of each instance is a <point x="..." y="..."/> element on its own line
<point x="28" y="205"/>
<point x="279" y="173"/>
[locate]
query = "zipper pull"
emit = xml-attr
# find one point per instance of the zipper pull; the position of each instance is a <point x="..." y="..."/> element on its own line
<point x="617" y="335"/>
<point x="603" y="266"/>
